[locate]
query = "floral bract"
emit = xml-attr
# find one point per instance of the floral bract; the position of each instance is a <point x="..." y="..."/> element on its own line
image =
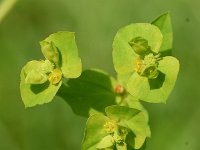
<point x="40" y="80"/>
<point x="146" y="73"/>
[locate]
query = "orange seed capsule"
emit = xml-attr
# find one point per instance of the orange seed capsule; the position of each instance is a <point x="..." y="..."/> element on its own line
<point x="119" y="89"/>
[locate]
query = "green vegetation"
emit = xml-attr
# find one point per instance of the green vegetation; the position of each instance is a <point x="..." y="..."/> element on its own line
<point x="116" y="118"/>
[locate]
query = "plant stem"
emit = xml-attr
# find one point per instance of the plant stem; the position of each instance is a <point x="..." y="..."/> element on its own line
<point x="5" y="7"/>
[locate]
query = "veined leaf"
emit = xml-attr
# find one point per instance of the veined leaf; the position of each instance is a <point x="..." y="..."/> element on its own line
<point x="90" y="93"/>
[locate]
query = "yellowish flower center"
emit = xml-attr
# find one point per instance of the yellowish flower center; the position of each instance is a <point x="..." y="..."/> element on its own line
<point x="55" y="76"/>
<point x="110" y="126"/>
<point x="148" y="66"/>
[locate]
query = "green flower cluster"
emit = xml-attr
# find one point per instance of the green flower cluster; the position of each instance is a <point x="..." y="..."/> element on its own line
<point x="117" y="120"/>
<point x="41" y="80"/>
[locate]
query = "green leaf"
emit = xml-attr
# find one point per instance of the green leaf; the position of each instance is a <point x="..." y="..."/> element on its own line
<point x="94" y="132"/>
<point x="70" y="62"/>
<point x="118" y="117"/>
<point x="130" y="140"/>
<point x="163" y="22"/>
<point x="131" y="147"/>
<point x="121" y="114"/>
<point x="33" y="94"/>
<point x="106" y="142"/>
<point x="155" y="90"/>
<point x="122" y="78"/>
<point x="90" y="93"/>
<point x="135" y="103"/>
<point x="123" y="54"/>
<point x="133" y="119"/>
<point x="140" y="128"/>
<point x="121" y="146"/>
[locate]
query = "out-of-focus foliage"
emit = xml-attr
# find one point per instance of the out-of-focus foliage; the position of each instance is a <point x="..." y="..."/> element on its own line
<point x="54" y="126"/>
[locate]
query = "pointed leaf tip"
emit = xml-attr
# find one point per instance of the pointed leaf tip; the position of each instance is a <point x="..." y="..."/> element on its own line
<point x="163" y="22"/>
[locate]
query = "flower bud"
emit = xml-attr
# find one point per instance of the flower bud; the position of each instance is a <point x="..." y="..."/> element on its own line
<point x="35" y="77"/>
<point x="148" y="66"/>
<point x="119" y="89"/>
<point x="140" y="45"/>
<point x="151" y="72"/>
<point x="50" y="51"/>
<point x="46" y="66"/>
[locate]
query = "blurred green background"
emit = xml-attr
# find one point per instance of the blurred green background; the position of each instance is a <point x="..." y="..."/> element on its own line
<point x="53" y="126"/>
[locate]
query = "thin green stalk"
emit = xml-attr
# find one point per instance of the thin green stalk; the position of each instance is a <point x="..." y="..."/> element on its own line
<point x="5" y="7"/>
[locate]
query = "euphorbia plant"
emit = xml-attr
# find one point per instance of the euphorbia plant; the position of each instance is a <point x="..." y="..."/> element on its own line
<point x="116" y="118"/>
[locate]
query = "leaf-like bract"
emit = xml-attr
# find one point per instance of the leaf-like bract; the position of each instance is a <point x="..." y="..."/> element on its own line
<point x="132" y="119"/>
<point x="70" y="62"/>
<point x="94" y="132"/>
<point x="33" y="94"/>
<point x="123" y="54"/>
<point x="155" y="90"/>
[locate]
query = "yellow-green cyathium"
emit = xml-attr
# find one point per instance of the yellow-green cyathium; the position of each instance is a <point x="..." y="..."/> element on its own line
<point x="141" y="57"/>
<point x="40" y="80"/>
<point x="121" y="127"/>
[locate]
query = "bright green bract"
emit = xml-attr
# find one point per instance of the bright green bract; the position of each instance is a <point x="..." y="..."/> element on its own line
<point x="145" y="73"/>
<point x="70" y="62"/>
<point x="40" y="80"/>
<point x="112" y="130"/>
<point x="155" y="90"/>
<point x="34" y="94"/>
<point x="94" y="132"/>
<point x="123" y="54"/>
<point x="132" y="119"/>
